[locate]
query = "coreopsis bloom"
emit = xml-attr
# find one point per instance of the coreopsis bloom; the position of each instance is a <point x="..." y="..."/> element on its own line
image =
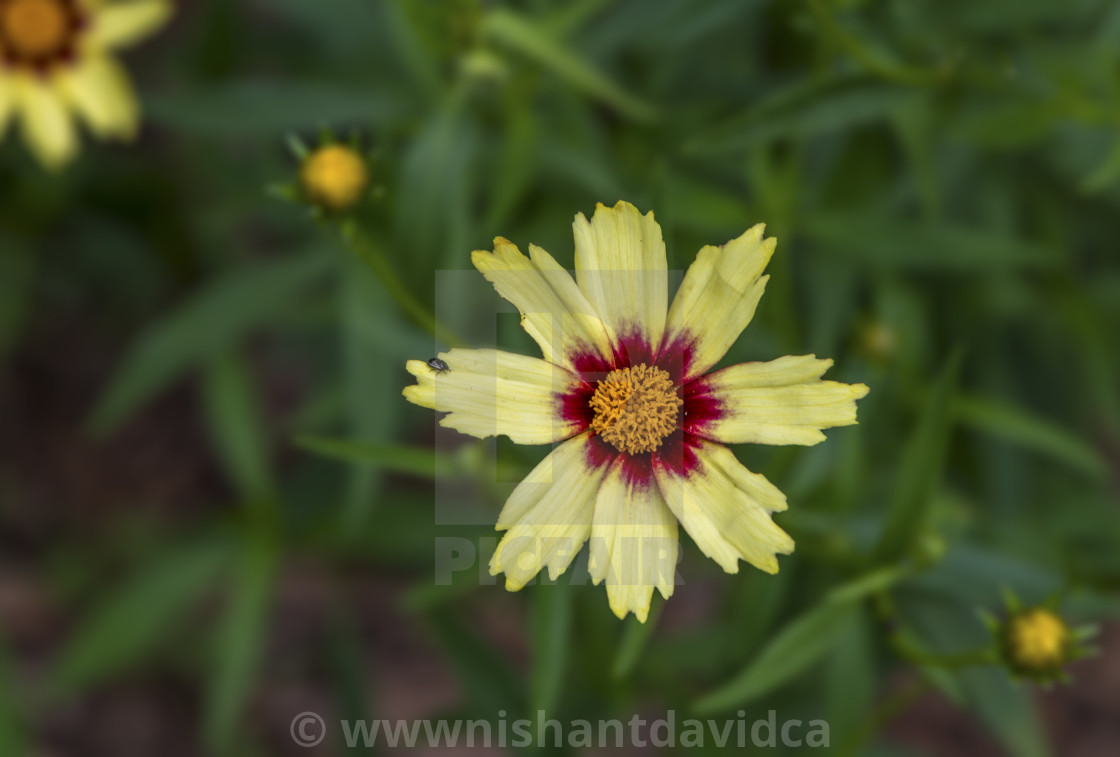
<point x="56" y="60"/>
<point x="334" y="177"/>
<point x="641" y="421"/>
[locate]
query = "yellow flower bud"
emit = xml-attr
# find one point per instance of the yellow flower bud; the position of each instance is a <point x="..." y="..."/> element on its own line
<point x="334" y="178"/>
<point x="1036" y="641"/>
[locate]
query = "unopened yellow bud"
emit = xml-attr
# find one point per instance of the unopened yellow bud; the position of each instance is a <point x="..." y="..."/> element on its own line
<point x="1037" y="641"/>
<point x="334" y="177"/>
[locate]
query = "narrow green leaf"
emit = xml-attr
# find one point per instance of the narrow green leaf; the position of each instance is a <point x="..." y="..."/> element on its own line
<point x="919" y="469"/>
<point x="1019" y="426"/>
<point x="416" y="461"/>
<point x="517" y="165"/>
<point x="806" y="109"/>
<point x="348" y="665"/>
<point x="13" y="736"/>
<point x="850" y="677"/>
<point x="1106" y="172"/>
<point x="239" y="642"/>
<point x="798" y="645"/>
<point x="481" y="669"/>
<point x="521" y="34"/>
<point x="369" y="251"/>
<point x="873" y="59"/>
<point x="757" y="603"/>
<point x="551" y="631"/>
<point x="252" y="107"/>
<point x="135" y="618"/>
<point x="923" y="246"/>
<point x="436" y="171"/>
<point x="635" y="639"/>
<point x="237" y="426"/>
<point x="1006" y="709"/>
<point x="371" y="376"/>
<point x="213" y="319"/>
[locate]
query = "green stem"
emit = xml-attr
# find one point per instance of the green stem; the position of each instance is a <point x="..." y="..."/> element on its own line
<point x="872" y="61"/>
<point x="908" y="651"/>
<point x="370" y="254"/>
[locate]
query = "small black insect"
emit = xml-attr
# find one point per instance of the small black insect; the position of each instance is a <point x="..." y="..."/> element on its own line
<point x="438" y="365"/>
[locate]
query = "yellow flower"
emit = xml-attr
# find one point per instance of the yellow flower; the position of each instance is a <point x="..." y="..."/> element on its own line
<point x="334" y="177"/>
<point x="55" y="58"/>
<point x="626" y="389"/>
<point x="1037" y="641"/>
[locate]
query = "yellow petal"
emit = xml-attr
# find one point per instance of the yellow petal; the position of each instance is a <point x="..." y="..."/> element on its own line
<point x="99" y="90"/>
<point x="116" y="25"/>
<point x="621" y="267"/>
<point x="633" y="543"/>
<point x="553" y="309"/>
<point x="718" y="297"/>
<point x="726" y="510"/>
<point x="489" y="392"/>
<point x="548" y="516"/>
<point x="47" y="126"/>
<point x="780" y="402"/>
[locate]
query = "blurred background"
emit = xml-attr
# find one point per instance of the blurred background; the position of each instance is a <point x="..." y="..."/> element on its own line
<point x="217" y="511"/>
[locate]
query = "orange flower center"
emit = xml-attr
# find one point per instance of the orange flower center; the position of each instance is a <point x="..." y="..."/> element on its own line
<point x="35" y="28"/>
<point x="635" y="408"/>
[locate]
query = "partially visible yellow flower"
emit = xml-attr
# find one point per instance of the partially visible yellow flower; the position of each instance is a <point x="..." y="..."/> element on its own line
<point x="1037" y="642"/>
<point x="56" y="60"/>
<point x="641" y="420"/>
<point x="334" y="177"/>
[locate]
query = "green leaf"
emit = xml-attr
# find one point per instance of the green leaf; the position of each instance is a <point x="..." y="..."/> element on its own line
<point x="437" y="171"/>
<point x="481" y="669"/>
<point x="1020" y="427"/>
<point x="887" y="243"/>
<point x="13" y="736"/>
<point x="919" y="469"/>
<point x="635" y="639"/>
<point x="806" y="109"/>
<point x="416" y="461"/>
<point x="517" y="165"/>
<point x="239" y="642"/>
<point x="1106" y="173"/>
<point x="797" y="645"/>
<point x="213" y="319"/>
<point x="372" y="375"/>
<point x="551" y="636"/>
<point x="348" y="668"/>
<point x="132" y="621"/>
<point x="1007" y="709"/>
<point x="237" y="426"/>
<point x="523" y="35"/>
<point x="850" y="676"/>
<point x="269" y="108"/>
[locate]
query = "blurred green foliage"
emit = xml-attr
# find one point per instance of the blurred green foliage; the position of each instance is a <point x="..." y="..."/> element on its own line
<point x="944" y="182"/>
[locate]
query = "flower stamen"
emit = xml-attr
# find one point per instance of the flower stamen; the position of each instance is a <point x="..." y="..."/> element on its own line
<point x="635" y="408"/>
<point x="38" y="32"/>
